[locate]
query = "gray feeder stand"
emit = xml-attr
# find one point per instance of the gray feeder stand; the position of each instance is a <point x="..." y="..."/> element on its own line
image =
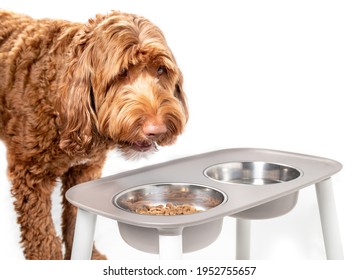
<point x="243" y="183"/>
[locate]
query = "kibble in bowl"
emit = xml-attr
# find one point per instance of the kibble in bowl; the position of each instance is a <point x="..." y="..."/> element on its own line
<point x="169" y="199"/>
<point x="168" y="210"/>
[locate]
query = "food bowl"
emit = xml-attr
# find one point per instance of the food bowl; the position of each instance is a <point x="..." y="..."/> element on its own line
<point x="146" y="239"/>
<point x="199" y="197"/>
<point x="258" y="173"/>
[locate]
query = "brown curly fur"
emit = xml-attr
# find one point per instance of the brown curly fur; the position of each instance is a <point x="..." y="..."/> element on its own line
<point x="69" y="92"/>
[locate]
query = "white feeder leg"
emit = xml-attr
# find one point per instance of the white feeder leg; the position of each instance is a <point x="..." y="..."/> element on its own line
<point x="329" y="220"/>
<point x="243" y="239"/>
<point x="170" y="247"/>
<point x="84" y="235"/>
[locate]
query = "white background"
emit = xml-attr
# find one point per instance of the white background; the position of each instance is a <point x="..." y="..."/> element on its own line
<point x="267" y="74"/>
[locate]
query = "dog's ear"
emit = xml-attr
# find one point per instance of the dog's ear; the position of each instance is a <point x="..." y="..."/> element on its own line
<point x="76" y="101"/>
<point x="181" y="96"/>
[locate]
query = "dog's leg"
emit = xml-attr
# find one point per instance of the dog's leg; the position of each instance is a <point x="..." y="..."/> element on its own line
<point x="76" y="175"/>
<point x="32" y="193"/>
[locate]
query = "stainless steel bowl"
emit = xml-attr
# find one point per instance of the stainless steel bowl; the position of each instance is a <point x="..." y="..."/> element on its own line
<point x="252" y="173"/>
<point x="194" y="237"/>
<point x="200" y="197"/>
<point x="258" y="173"/>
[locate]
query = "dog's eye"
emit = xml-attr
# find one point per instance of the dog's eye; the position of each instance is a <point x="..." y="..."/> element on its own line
<point x="161" y="70"/>
<point x="124" y="73"/>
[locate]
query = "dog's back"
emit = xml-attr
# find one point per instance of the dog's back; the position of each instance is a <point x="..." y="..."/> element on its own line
<point x="28" y="61"/>
<point x="11" y="26"/>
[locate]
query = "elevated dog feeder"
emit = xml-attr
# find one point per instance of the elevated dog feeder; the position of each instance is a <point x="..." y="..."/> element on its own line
<point x="246" y="184"/>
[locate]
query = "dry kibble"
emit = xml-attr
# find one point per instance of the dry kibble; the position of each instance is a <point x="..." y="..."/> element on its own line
<point x="167" y="210"/>
<point x="182" y="204"/>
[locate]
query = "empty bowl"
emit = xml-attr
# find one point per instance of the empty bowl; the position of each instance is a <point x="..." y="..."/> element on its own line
<point x="252" y="173"/>
<point x="258" y="173"/>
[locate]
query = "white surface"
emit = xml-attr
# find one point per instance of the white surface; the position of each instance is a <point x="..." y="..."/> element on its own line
<point x="266" y="74"/>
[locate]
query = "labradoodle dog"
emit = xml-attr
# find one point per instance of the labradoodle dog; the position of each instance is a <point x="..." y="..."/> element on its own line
<point x="70" y="92"/>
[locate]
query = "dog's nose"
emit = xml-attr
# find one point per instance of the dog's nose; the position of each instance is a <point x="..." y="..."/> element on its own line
<point x="153" y="129"/>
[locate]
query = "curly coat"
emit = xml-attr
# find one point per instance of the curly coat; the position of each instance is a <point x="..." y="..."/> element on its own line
<point x="70" y="92"/>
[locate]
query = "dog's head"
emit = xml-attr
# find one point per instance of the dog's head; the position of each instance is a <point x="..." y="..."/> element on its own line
<point x="121" y="85"/>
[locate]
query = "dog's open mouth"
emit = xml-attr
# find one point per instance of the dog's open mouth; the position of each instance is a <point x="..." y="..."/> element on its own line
<point x="143" y="146"/>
